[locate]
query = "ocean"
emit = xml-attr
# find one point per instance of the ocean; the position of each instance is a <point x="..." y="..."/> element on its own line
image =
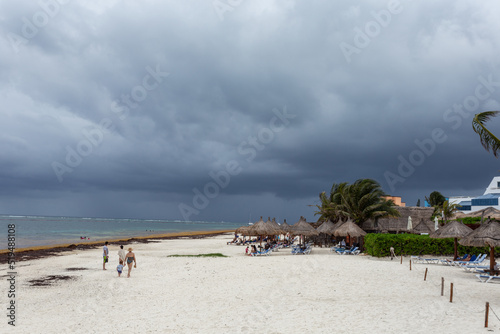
<point x="41" y="231"/>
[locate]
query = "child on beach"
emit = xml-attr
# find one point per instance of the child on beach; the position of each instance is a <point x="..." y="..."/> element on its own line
<point x="246" y="251"/>
<point x="119" y="268"/>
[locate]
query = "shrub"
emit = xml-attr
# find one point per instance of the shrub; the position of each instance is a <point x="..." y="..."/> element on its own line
<point x="470" y="220"/>
<point x="412" y="244"/>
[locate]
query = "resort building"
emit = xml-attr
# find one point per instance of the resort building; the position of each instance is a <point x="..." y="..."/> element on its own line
<point x="395" y="199"/>
<point x="488" y="199"/>
<point x="420" y="216"/>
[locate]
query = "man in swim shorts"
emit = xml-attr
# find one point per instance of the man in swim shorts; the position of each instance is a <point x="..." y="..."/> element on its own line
<point x="105" y="255"/>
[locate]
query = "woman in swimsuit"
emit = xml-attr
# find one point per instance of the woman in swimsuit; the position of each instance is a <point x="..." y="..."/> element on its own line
<point x="130" y="257"/>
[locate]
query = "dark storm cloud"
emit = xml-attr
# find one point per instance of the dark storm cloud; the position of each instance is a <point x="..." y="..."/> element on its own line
<point x="130" y="109"/>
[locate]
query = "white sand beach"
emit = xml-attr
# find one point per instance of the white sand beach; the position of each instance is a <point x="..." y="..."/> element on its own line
<point x="281" y="293"/>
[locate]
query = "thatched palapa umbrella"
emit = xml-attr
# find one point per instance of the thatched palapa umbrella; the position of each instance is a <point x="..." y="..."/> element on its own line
<point x="244" y="230"/>
<point x="302" y="228"/>
<point x="486" y="235"/>
<point x="262" y="228"/>
<point x="349" y="228"/>
<point x="285" y="227"/>
<point x="454" y="230"/>
<point x="327" y="227"/>
<point x="337" y="225"/>
<point x="276" y="226"/>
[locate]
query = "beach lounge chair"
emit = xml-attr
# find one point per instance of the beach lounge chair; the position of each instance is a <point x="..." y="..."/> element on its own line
<point x="343" y="251"/>
<point x="298" y="250"/>
<point x="418" y="259"/>
<point x="448" y="262"/>
<point x="473" y="264"/>
<point x="485" y="278"/>
<point x="458" y="262"/>
<point x="266" y="252"/>
<point x="353" y="251"/>
<point x="472" y="260"/>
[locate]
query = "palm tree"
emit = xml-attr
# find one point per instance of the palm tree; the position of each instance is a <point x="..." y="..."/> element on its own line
<point x="436" y="200"/>
<point x="325" y="209"/>
<point x="363" y="200"/>
<point x="448" y="210"/>
<point x="488" y="140"/>
<point x="359" y="201"/>
<point x="328" y="208"/>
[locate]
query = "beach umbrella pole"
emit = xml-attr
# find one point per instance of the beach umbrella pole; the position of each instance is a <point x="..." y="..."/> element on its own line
<point x="492" y="260"/>
<point x="455" y="250"/>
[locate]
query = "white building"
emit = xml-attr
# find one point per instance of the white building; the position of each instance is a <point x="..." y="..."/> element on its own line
<point x="488" y="199"/>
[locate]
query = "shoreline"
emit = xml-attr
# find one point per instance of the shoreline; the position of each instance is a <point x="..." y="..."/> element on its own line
<point x="37" y="252"/>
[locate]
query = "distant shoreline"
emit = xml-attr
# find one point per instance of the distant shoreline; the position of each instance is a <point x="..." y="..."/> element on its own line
<point x="36" y="252"/>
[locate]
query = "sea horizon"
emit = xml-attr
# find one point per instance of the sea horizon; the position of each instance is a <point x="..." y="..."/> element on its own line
<point x="38" y="230"/>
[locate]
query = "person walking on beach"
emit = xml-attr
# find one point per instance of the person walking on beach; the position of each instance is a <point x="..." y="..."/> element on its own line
<point x="121" y="254"/>
<point x="105" y="255"/>
<point x="393" y="255"/>
<point x="130" y="258"/>
<point x="119" y="268"/>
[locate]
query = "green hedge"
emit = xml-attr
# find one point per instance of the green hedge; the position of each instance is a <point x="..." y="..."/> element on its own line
<point x="412" y="244"/>
<point x="470" y="220"/>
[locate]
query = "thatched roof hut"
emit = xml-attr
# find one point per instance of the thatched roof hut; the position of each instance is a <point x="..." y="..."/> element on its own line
<point x="399" y="224"/>
<point x="423" y="227"/>
<point x="488" y="212"/>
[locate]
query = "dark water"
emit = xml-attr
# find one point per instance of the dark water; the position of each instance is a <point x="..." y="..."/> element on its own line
<point x="40" y="231"/>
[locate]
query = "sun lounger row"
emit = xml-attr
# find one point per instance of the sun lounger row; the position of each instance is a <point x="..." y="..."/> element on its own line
<point x="344" y="251"/>
<point x="485" y="278"/>
<point x="302" y="250"/>
<point x="418" y="259"/>
<point x="265" y="252"/>
<point x="474" y="260"/>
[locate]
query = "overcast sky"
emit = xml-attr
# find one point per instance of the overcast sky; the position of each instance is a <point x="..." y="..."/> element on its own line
<point x="229" y="110"/>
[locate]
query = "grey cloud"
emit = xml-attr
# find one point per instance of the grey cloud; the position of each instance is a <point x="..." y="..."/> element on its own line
<point x="352" y="119"/>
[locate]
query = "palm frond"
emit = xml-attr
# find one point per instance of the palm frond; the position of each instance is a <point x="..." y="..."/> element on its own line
<point x="488" y="139"/>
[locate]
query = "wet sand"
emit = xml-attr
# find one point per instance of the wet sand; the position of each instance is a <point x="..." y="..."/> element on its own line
<point x="37" y="252"/>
